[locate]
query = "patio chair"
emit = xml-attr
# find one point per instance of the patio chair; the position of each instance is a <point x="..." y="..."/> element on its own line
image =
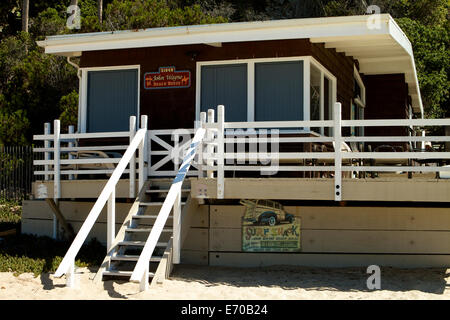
<point x="390" y="161"/>
<point x="330" y="161"/>
<point x="92" y="166"/>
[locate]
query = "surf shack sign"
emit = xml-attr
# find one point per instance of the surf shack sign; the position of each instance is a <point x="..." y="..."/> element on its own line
<point x="166" y="78"/>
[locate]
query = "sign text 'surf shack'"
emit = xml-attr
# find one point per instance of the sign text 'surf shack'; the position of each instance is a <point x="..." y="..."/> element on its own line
<point x="315" y="124"/>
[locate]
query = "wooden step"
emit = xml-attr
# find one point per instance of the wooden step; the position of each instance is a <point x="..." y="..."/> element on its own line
<point x="164" y="190"/>
<point x="123" y="273"/>
<point x="144" y="216"/>
<point x="146" y="230"/>
<point x="140" y="244"/>
<point x="155" y="204"/>
<point x="127" y="257"/>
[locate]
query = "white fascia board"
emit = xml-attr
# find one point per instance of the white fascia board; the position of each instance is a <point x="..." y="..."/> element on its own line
<point x="322" y="28"/>
<point x="398" y="35"/>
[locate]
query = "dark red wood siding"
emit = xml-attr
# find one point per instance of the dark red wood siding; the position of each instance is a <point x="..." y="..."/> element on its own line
<point x="175" y="107"/>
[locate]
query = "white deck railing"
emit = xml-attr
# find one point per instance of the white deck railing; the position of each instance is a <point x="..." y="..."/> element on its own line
<point x="107" y="195"/>
<point x="216" y="158"/>
<point x="166" y="151"/>
<point x="65" y="159"/>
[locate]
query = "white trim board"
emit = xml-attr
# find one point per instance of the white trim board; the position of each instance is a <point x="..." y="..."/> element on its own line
<point x="83" y="90"/>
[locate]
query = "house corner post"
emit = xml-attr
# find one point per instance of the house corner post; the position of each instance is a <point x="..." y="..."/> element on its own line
<point x="337" y="151"/>
<point x="220" y="151"/>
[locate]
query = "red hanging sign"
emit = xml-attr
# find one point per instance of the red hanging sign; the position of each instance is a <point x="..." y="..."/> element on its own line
<point x="167" y="77"/>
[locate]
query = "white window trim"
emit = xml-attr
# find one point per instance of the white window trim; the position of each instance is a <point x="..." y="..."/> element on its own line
<point x="82" y="110"/>
<point x="357" y="76"/>
<point x="307" y="60"/>
<point x="360" y="103"/>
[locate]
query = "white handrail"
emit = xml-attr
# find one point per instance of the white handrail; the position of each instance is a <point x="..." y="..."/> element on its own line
<point x="69" y="259"/>
<point x="140" y="272"/>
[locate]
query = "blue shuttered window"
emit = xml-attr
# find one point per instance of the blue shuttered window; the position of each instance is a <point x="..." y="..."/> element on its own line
<point x="226" y="85"/>
<point x="112" y="97"/>
<point x="279" y="91"/>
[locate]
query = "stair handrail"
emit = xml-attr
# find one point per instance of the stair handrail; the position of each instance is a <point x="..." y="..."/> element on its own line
<point x="67" y="265"/>
<point x="173" y="200"/>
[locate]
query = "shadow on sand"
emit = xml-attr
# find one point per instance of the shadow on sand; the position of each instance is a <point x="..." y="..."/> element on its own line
<point x="431" y="280"/>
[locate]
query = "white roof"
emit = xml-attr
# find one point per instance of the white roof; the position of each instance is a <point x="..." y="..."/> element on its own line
<point x="380" y="45"/>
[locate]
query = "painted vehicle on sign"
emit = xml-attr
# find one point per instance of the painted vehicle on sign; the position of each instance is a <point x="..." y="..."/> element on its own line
<point x="265" y="212"/>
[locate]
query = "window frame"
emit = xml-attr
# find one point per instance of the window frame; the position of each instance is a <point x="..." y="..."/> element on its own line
<point x="359" y="103"/>
<point x="82" y="103"/>
<point x="307" y="61"/>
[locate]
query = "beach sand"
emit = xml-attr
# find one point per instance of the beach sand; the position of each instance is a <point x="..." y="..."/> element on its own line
<point x="201" y="282"/>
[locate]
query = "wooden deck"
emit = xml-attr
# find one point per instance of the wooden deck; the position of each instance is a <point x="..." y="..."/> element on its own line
<point x="386" y="188"/>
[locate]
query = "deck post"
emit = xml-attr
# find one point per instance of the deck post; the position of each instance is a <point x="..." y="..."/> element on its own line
<point x="337" y="151"/>
<point x="56" y="159"/>
<point x="210" y="146"/>
<point x="133" y="159"/>
<point x="200" y="148"/>
<point x="70" y="275"/>
<point x="143" y="284"/>
<point x="142" y="148"/>
<point x="177" y="228"/>
<point x="71" y="145"/>
<point x="46" y="145"/>
<point x="56" y="171"/>
<point x="220" y="151"/>
<point x="47" y="128"/>
<point x="111" y="221"/>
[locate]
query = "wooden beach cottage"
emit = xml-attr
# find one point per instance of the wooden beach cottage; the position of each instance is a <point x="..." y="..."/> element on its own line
<point x="296" y="142"/>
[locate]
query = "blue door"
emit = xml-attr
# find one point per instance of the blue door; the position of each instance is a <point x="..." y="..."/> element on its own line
<point x="112" y="97"/>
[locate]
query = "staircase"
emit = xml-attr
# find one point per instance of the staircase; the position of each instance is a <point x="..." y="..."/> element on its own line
<point x="130" y="240"/>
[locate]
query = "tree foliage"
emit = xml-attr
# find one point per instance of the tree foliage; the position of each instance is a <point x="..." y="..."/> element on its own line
<point x="36" y="87"/>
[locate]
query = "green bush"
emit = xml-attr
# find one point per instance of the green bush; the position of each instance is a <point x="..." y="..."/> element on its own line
<point x="28" y="253"/>
<point x="10" y="212"/>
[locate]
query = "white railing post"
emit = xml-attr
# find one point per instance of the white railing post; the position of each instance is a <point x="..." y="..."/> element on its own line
<point x="46" y="145"/>
<point x="143" y="284"/>
<point x="71" y="145"/>
<point x="220" y="151"/>
<point x="142" y="147"/>
<point x="177" y="228"/>
<point x="337" y="151"/>
<point x="201" y="146"/>
<point x="56" y="160"/>
<point x="70" y="275"/>
<point x="210" y="146"/>
<point x="56" y="171"/>
<point x="133" y="159"/>
<point x="111" y="220"/>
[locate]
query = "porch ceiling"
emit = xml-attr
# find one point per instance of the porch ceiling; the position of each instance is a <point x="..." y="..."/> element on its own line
<point x="380" y="48"/>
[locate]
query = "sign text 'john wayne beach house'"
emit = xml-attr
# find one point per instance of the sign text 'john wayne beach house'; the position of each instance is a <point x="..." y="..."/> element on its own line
<point x="167" y="77"/>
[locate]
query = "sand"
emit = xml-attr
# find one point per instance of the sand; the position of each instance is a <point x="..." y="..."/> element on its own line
<point x="199" y="282"/>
